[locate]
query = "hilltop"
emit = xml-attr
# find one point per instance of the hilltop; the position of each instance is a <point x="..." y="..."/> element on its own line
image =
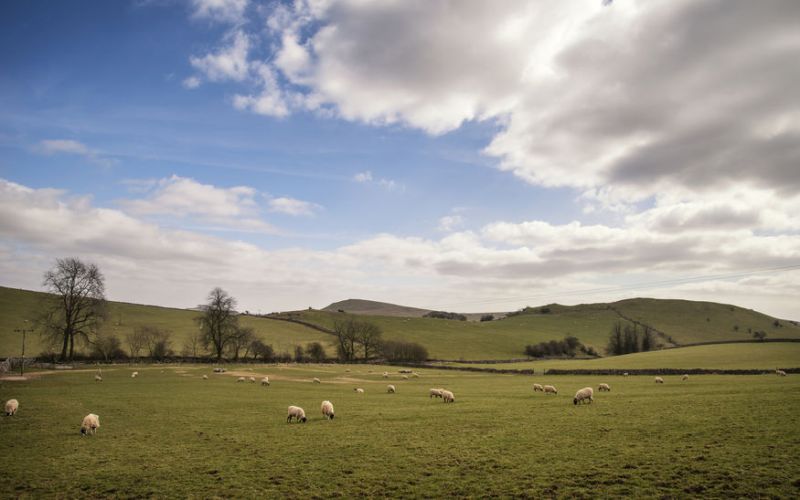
<point x="373" y="308"/>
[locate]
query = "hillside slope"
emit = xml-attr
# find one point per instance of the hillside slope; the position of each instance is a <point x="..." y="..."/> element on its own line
<point x="373" y="308"/>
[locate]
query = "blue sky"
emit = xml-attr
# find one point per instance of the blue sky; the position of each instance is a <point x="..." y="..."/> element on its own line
<point x="426" y="153"/>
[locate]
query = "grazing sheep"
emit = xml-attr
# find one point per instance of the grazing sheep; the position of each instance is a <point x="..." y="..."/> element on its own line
<point x="327" y="410"/>
<point x="359" y="390"/>
<point x="265" y="381"/>
<point x="98" y="378"/>
<point x="316" y="380"/>
<point x="11" y="407"/>
<point x="659" y="380"/>
<point x="550" y="389"/>
<point x="385" y="374"/>
<point x="252" y="380"/>
<point x="205" y="377"/>
<point x="240" y="379"/>
<point x="625" y="374"/>
<point x="584" y="394"/>
<point x="90" y="424"/>
<point x="435" y="393"/>
<point x="415" y="375"/>
<point x="390" y="389"/>
<point x="604" y="388"/>
<point x="538" y="388"/>
<point x="347" y="371"/>
<point x="134" y="374"/>
<point x="685" y="377"/>
<point x="780" y="373"/>
<point x="219" y="370"/>
<point x="405" y="377"/>
<point x="297" y="413"/>
<point x="448" y="397"/>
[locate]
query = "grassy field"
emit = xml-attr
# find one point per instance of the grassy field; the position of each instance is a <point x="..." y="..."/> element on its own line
<point x="169" y="433"/>
<point x="17" y="305"/>
<point x="716" y="357"/>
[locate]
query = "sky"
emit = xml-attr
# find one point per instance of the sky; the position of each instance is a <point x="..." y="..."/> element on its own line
<point x="467" y="156"/>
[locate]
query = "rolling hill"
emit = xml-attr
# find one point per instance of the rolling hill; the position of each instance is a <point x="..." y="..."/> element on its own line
<point x="373" y="308"/>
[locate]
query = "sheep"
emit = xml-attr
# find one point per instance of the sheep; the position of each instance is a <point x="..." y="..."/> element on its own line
<point x="780" y="373"/>
<point x="659" y="380"/>
<point x="359" y="390"/>
<point x="90" y="424"/>
<point x="625" y="374"/>
<point x="205" y="377"/>
<point x="405" y="377"/>
<point x="219" y="370"/>
<point x="435" y="393"/>
<point x="240" y="379"/>
<point x="538" y="388"/>
<point x="347" y="371"/>
<point x="685" y="377"/>
<point x="265" y="381"/>
<point x="134" y="374"/>
<point x="327" y="410"/>
<point x="584" y="394"/>
<point x="550" y="389"/>
<point x="98" y="378"/>
<point x="604" y="388"/>
<point x="448" y="397"/>
<point x="252" y="380"/>
<point x="316" y="381"/>
<point x="385" y="374"/>
<point x="390" y="389"/>
<point x="297" y="413"/>
<point x="11" y="407"/>
<point x="415" y="375"/>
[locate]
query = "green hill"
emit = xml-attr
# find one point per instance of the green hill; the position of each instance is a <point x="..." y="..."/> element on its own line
<point x="18" y="305"/>
<point x="373" y="308"/>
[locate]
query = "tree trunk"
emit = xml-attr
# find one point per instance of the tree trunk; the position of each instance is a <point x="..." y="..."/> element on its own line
<point x="64" y="348"/>
<point x="71" y="346"/>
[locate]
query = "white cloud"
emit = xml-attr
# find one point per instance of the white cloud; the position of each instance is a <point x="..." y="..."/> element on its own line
<point x="388" y="184"/>
<point x="291" y="206"/>
<point x="227" y="11"/>
<point x="191" y="82"/>
<point x="229" y="63"/>
<point x="449" y="223"/>
<point x="69" y="146"/>
<point x="363" y="176"/>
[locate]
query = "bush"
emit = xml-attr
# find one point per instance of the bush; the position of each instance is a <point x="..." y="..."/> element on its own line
<point x="487" y="317"/>
<point x="445" y="315"/>
<point x="568" y="347"/>
<point x="394" y="350"/>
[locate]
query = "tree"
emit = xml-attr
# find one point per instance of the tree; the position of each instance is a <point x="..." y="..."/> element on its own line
<point x="299" y="354"/>
<point x="346" y="335"/>
<point x="219" y="323"/>
<point x="369" y="336"/>
<point x="135" y="341"/>
<point x="615" y="340"/>
<point x="648" y="341"/>
<point x="487" y="317"/>
<point x="404" y="351"/>
<point x="316" y="352"/>
<point x="760" y="335"/>
<point x="157" y="341"/>
<point x="79" y="303"/>
<point x="107" y="346"/>
<point x="261" y="350"/>
<point x="192" y="345"/>
<point x="241" y="339"/>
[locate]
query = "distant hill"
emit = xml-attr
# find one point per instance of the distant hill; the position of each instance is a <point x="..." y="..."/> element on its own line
<point x="373" y="308"/>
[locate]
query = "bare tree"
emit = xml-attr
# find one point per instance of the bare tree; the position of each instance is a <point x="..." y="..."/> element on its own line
<point x="78" y="305"/>
<point x="346" y="334"/>
<point x="157" y="341"/>
<point x="219" y="322"/>
<point x="193" y="345"/>
<point x="135" y="341"/>
<point x="242" y="339"/>
<point x="369" y="336"/>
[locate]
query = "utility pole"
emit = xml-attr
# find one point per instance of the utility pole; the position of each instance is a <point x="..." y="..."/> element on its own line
<point x="23" y="331"/>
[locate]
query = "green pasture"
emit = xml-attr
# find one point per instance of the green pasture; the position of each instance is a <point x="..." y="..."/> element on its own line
<point x="169" y="433"/>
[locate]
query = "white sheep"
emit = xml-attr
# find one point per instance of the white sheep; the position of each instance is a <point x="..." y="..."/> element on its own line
<point x="448" y="397"/>
<point x="604" y="388"/>
<point x="11" y="407"/>
<point x="385" y="374"/>
<point x="252" y="380"/>
<point x="90" y="424"/>
<point x="550" y="389"/>
<point x="265" y="381"/>
<point x="297" y="413"/>
<point x="584" y="394"/>
<point x="390" y="389"/>
<point x="359" y="390"/>
<point x="538" y="388"/>
<point x="98" y="378"/>
<point x="659" y="380"/>
<point x="327" y="409"/>
<point x="685" y="377"/>
<point x="240" y="379"/>
<point x="780" y="373"/>
<point x="205" y="377"/>
<point x="405" y="377"/>
<point x="134" y="374"/>
<point x="435" y="393"/>
<point x="316" y="380"/>
<point x="347" y="371"/>
<point x="625" y="374"/>
<point x="415" y="375"/>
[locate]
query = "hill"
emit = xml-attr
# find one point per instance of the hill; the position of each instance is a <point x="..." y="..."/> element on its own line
<point x="373" y="308"/>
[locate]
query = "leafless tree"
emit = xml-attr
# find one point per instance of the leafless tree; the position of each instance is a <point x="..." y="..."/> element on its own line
<point x="219" y="322"/>
<point x="242" y="339"/>
<point x="193" y="345"/>
<point x="136" y="342"/>
<point x="78" y="305"/>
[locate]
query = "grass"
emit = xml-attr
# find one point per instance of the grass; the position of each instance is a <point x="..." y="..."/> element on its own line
<point x="172" y="434"/>
<point x="766" y="356"/>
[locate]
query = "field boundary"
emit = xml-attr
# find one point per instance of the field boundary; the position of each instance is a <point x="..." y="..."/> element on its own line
<point x="664" y="371"/>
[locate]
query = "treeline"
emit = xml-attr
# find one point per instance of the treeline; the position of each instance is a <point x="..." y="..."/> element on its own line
<point x="530" y="310"/>
<point x="363" y="340"/>
<point x="568" y="347"/>
<point x="445" y="315"/>
<point x="630" y="338"/>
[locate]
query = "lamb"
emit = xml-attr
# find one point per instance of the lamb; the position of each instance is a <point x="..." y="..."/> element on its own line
<point x="390" y="389"/>
<point x="685" y="377"/>
<point x="252" y="380"/>
<point x="134" y="374"/>
<point x="604" y="388"/>
<point x="538" y="388"/>
<point x="448" y="397"/>
<point x="584" y="394"/>
<point x="11" y="407"/>
<point x="327" y="409"/>
<point x="316" y="380"/>
<point x="359" y="390"/>
<point x="205" y="377"/>
<point x="385" y="374"/>
<point x="90" y="424"/>
<point x="435" y="393"/>
<point x="780" y="373"/>
<point x="405" y="377"/>
<point x="297" y="413"/>
<point x="240" y="379"/>
<point x="265" y="381"/>
<point x="659" y="380"/>
<point x="550" y="389"/>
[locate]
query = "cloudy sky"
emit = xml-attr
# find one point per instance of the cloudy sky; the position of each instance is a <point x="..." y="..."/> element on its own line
<point x="460" y="155"/>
